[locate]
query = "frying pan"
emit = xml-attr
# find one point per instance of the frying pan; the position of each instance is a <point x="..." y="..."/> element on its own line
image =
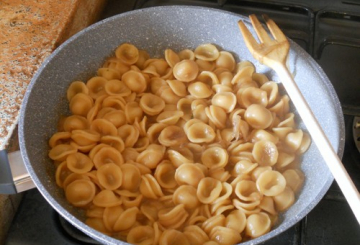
<point x="155" y="29"/>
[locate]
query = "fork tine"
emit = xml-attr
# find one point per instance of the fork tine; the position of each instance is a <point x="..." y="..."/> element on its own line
<point x="250" y="41"/>
<point x="259" y="29"/>
<point x="274" y="29"/>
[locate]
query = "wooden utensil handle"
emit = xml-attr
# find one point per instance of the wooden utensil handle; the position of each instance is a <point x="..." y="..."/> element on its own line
<point x="319" y="138"/>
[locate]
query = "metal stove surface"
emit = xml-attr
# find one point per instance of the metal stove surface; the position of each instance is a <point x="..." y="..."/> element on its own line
<point x="307" y="23"/>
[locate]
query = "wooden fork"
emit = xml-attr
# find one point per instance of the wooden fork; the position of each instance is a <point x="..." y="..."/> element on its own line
<point x="273" y="52"/>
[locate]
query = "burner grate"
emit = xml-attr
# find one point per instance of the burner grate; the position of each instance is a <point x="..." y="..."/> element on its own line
<point x="356" y="132"/>
<point x="73" y="233"/>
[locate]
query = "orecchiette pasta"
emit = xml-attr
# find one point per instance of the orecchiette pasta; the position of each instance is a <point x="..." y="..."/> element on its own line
<point x="207" y="52"/>
<point x="173" y="217"/>
<point x="189" y="174"/>
<point x="80" y="192"/>
<point x="79" y="163"/>
<point x="59" y="138"/>
<point x="208" y="190"/>
<point x="172" y="136"/>
<point x="192" y="148"/>
<point x="110" y="176"/>
<point x="186" y="70"/>
<point x="164" y="174"/>
<point x="135" y="81"/>
<point x="205" y="65"/>
<point x="85" y="137"/>
<point x="127" y="53"/>
<point x="199" y="132"/>
<point x="75" y="122"/>
<point x="186" y="194"/>
<point x="172" y="236"/>
<point x="258" y="116"/>
<point x="258" y="224"/>
<point x="225" y="100"/>
<point x="199" y="90"/>
<point x="224" y="235"/>
<point x="271" y="183"/>
<point x="151" y="104"/>
<point x="236" y="220"/>
<point x="80" y="104"/>
<point x="143" y="234"/>
<point x="131" y="177"/>
<point x="195" y="235"/>
<point x="226" y="60"/>
<point x="96" y="87"/>
<point x="215" y="157"/>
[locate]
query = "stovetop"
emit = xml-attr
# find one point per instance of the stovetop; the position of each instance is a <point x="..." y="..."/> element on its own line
<point x="327" y="30"/>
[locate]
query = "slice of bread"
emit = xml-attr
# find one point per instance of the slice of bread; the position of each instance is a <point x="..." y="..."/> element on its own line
<point x="29" y="32"/>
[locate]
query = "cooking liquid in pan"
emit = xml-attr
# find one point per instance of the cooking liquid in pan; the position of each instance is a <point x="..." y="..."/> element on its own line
<point x="37" y="223"/>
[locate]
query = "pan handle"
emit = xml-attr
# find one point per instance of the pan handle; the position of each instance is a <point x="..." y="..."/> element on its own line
<point x="14" y="177"/>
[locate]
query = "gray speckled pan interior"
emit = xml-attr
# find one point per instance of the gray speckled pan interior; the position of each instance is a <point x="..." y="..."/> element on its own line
<point x="155" y="29"/>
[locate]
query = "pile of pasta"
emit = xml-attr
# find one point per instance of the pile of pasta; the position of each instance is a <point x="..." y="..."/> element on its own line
<point x="193" y="148"/>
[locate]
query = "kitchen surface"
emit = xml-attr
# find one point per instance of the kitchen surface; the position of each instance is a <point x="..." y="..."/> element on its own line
<point x="329" y="32"/>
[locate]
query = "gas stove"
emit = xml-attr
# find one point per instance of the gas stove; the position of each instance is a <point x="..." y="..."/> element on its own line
<point x="328" y="31"/>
